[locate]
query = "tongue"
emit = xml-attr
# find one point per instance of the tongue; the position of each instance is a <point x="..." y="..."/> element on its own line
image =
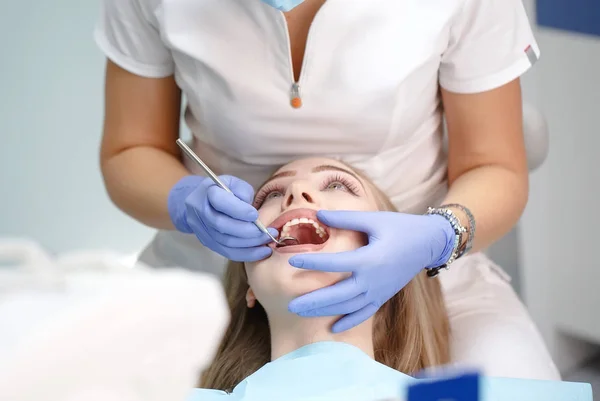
<point x="305" y="234"/>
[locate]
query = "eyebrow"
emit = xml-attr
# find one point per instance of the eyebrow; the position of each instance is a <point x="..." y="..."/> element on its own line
<point x="318" y="169"/>
<point x="329" y="167"/>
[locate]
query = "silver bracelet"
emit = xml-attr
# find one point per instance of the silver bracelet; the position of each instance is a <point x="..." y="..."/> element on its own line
<point x="459" y="230"/>
<point x="470" y="230"/>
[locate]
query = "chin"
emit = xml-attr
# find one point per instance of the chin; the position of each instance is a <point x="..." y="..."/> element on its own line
<point x="276" y="275"/>
<point x="302" y="281"/>
<point x="310" y="280"/>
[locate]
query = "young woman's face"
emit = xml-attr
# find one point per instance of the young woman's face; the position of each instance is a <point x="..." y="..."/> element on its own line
<point x="289" y="202"/>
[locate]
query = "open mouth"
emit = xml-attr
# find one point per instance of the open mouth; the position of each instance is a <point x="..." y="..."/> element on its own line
<point x="303" y="225"/>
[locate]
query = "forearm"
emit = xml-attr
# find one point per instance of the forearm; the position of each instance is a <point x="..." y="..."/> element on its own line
<point x="138" y="181"/>
<point x="495" y="195"/>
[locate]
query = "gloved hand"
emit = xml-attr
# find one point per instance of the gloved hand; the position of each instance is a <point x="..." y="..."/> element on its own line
<point x="221" y="221"/>
<point x="399" y="247"/>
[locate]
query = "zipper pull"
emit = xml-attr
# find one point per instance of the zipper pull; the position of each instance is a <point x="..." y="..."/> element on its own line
<point x="296" y="98"/>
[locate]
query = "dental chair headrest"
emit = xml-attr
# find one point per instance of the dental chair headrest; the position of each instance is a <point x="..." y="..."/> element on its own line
<point x="537" y="136"/>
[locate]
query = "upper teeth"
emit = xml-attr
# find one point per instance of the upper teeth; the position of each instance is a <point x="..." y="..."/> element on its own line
<point x="286" y="227"/>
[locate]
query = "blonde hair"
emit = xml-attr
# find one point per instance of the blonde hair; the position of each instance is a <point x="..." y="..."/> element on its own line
<point x="410" y="331"/>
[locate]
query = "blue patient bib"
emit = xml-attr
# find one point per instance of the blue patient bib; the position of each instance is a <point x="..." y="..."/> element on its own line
<point x="336" y="371"/>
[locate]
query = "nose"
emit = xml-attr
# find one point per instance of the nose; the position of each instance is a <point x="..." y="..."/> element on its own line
<point x="299" y="193"/>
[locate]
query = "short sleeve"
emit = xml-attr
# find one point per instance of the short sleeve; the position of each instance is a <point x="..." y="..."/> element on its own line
<point x="491" y="43"/>
<point x="128" y="34"/>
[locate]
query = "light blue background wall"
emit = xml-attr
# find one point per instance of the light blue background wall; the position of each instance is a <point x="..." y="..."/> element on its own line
<point x="51" y="100"/>
<point x="559" y="235"/>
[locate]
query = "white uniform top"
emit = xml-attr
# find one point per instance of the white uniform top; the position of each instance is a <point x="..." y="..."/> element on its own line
<point x="369" y="83"/>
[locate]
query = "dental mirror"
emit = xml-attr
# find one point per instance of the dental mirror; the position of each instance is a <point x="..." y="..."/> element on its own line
<point x="285" y="241"/>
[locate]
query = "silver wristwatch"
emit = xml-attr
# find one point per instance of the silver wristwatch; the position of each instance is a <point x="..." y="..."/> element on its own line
<point x="458" y="249"/>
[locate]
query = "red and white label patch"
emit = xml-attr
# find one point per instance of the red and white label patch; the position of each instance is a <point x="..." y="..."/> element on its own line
<point x="530" y="53"/>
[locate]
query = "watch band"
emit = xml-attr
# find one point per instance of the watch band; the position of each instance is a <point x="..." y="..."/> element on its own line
<point x="470" y="229"/>
<point x="459" y="230"/>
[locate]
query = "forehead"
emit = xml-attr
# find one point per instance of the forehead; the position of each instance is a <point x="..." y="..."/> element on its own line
<point x="306" y="165"/>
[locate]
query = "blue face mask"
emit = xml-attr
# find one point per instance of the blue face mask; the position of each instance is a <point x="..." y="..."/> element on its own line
<point x="283" y="5"/>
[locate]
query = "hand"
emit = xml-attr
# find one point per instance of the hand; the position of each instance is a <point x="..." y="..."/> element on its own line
<point x="399" y="247"/>
<point x="221" y="221"/>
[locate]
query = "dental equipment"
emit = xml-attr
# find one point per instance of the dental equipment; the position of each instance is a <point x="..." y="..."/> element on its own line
<point x="87" y="327"/>
<point x="190" y="153"/>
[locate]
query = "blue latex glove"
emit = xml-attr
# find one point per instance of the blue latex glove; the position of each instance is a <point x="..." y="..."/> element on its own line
<point x="399" y="247"/>
<point x="221" y="221"/>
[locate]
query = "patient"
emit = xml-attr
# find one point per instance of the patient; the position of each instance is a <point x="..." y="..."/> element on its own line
<point x="409" y="333"/>
<point x="268" y="353"/>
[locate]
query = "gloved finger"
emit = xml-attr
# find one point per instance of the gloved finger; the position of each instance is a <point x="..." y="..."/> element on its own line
<point x="230" y="205"/>
<point x="247" y="254"/>
<point x="219" y="222"/>
<point x="334" y="294"/>
<point x="240" y="188"/>
<point x="231" y="241"/>
<point x="333" y="262"/>
<point x="342" y="308"/>
<point x="354" y="319"/>
<point x="348" y="219"/>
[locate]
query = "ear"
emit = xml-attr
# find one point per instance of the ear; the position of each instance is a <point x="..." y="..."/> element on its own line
<point x="250" y="298"/>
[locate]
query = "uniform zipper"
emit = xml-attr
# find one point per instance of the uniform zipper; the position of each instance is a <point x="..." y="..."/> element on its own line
<point x="296" y="88"/>
<point x="295" y="94"/>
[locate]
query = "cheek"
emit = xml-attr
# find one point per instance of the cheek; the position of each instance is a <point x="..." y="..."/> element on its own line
<point x="265" y="278"/>
<point x="346" y="240"/>
<point x="255" y="273"/>
<point x="269" y="211"/>
<point x="344" y="201"/>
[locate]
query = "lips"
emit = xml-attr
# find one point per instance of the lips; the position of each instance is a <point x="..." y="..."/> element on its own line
<point x="299" y="216"/>
<point x="290" y="215"/>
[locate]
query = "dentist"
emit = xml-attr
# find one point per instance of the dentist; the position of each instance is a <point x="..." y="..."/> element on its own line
<point x="365" y="81"/>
